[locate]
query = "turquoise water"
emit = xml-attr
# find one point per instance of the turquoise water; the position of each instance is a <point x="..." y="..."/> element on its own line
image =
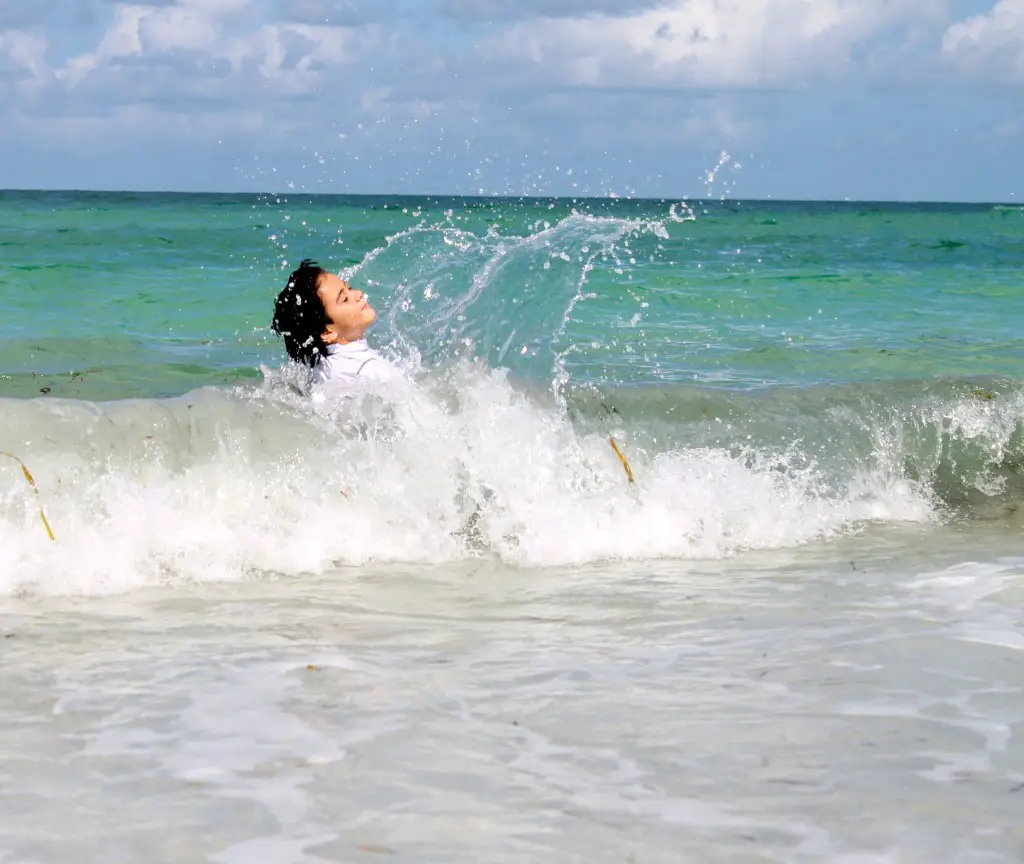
<point x="145" y="295"/>
<point x="446" y="626"/>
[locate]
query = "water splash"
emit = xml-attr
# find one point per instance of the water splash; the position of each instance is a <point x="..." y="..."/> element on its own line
<point x="222" y="485"/>
<point x="499" y="298"/>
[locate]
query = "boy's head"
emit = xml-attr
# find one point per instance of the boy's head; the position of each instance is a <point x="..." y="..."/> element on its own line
<point x="316" y="309"/>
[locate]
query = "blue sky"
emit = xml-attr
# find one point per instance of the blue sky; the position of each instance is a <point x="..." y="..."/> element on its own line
<point x="862" y="99"/>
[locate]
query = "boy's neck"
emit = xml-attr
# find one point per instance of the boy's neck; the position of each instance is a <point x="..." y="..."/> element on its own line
<point x="342" y="342"/>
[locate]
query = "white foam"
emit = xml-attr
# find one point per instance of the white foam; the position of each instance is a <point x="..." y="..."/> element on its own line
<point x="217" y="486"/>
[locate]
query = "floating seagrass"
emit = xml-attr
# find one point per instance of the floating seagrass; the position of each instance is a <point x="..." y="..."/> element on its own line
<point x="622" y="459"/>
<point x="35" y="489"/>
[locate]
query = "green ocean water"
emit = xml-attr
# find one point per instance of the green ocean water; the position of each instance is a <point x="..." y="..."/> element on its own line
<point x="119" y="295"/>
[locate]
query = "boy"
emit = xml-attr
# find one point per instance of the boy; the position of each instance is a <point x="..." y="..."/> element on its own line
<point x="324" y="320"/>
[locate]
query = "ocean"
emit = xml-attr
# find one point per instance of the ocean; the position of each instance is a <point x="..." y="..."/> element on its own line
<point x="453" y="625"/>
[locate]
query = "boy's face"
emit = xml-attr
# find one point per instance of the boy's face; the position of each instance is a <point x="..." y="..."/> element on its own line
<point x="348" y="309"/>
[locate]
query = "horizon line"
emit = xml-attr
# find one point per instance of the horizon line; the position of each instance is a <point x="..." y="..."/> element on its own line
<point x="510" y="196"/>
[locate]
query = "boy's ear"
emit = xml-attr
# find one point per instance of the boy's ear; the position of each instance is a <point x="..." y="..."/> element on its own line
<point x="329" y="336"/>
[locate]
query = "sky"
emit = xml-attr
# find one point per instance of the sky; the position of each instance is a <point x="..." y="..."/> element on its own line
<point x="795" y="99"/>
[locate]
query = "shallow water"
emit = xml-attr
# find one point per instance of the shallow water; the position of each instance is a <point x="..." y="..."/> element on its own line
<point x="841" y="702"/>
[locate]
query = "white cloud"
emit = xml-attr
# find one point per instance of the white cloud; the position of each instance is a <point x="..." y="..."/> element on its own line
<point x="713" y="43"/>
<point x="207" y="48"/>
<point x="23" y="67"/>
<point x="346" y="13"/>
<point x="196" y="72"/>
<point x="23" y="51"/>
<point x="504" y="10"/>
<point x="989" y="46"/>
<point x="235" y="53"/>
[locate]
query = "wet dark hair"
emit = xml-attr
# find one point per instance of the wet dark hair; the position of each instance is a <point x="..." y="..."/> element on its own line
<point x="299" y="315"/>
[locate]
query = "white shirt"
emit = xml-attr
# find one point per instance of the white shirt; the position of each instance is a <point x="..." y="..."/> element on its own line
<point x="349" y="367"/>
